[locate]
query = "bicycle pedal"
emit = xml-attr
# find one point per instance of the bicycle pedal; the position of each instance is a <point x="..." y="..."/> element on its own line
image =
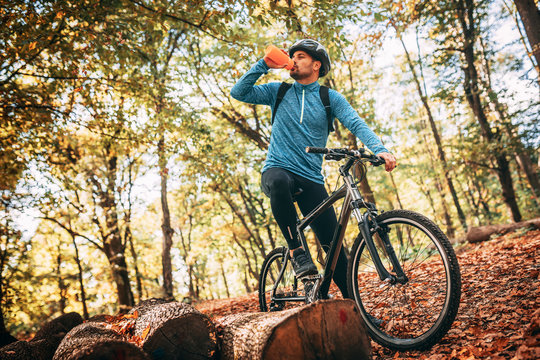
<point x="309" y="278"/>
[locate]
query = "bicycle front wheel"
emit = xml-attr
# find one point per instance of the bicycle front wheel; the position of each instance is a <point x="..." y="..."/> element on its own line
<point x="419" y="312"/>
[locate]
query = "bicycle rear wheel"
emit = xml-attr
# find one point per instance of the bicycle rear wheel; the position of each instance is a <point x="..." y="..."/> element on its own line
<point x="417" y="314"/>
<point x="289" y="291"/>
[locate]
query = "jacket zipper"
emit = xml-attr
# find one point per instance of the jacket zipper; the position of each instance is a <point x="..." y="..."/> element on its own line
<point x="302" y="113"/>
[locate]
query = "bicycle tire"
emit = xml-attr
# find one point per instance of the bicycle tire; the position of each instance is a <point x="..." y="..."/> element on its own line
<point x="288" y="285"/>
<point x="417" y="314"/>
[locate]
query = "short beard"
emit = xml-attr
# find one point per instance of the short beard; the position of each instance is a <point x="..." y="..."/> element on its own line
<point x="297" y="76"/>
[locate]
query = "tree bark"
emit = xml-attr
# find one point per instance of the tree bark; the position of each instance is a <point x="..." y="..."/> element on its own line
<point x="114" y="250"/>
<point x="225" y="282"/>
<point x="394" y="187"/>
<point x="166" y="223"/>
<point x="327" y="329"/>
<point x="465" y="13"/>
<point x="94" y="340"/>
<point x="524" y="161"/>
<point x="530" y="16"/>
<point x="113" y="246"/>
<point x="62" y="287"/>
<point x="138" y="276"/>
<point x="80" y="276"/>
<point x="450" y="231"/>
<point x="129" y="236"/>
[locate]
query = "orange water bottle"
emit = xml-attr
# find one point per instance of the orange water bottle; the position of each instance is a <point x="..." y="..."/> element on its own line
<point x="277" y="56"/>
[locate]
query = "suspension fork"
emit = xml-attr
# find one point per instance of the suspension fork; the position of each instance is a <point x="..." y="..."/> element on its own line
<point x="384" y="275"/>
<point x="365" y="221"/>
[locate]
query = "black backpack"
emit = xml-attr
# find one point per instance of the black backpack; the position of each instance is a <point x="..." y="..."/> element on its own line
<point x="325" y="98"/>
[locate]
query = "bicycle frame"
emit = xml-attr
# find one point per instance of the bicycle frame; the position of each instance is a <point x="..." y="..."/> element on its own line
<point x="351" y="205"/>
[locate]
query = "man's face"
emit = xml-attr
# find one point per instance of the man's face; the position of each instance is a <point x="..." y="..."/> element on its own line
<point x="304" y="65"/>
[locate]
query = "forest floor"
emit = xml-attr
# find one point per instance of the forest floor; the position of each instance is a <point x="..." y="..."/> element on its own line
<point x="499" y="315"/>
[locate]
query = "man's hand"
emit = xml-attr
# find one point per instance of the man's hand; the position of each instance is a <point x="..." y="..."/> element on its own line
<point x="390" y="161"/>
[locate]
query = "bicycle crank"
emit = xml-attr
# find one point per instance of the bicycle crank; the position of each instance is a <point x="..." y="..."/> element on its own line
<point x="311" y="287"/>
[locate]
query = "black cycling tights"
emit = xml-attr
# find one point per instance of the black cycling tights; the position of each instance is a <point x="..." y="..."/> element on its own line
<point x="280" y="185"/>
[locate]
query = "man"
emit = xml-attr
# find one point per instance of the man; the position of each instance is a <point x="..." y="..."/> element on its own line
<point x="301" y="121"/>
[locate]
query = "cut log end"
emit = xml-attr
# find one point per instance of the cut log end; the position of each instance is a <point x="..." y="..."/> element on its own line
<point x="174" y="330"/>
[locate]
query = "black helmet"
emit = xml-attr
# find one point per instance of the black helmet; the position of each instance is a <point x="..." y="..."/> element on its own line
<point x="316" y="50"/>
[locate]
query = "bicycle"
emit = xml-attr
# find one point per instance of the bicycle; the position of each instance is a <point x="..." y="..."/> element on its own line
<point x="402" y="272"/>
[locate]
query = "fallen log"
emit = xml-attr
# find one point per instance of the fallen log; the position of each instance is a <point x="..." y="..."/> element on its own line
<point x="173" y="330"/>
<point x="59" y="326"/>
<point x="327" y="329"/>
<point x="94" y="340"/>
<point x="45" y="342"/>
<point x="483" y="233"/>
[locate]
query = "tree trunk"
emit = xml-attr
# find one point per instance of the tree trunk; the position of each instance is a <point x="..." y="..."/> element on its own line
<point x="62" y="287"/>
<point x="138" y="276"/>
<point x="114" y="250"/>
<point x="5" y="336"/>
<point x="524" y="161"/>
<point x="450" y="231"/>
<point x="80" y="276"/>
<point x="174" y="330"/>
<point x="166" y="224"/>
<point x="394" y="187"/>
<point x="438" y="142"/>
<point x="225" y="282"/>
<point x="530" y="16"/>
<point x="112" y="240"/>
<point x="327" y="329"/>
<point x="465" y="15"/>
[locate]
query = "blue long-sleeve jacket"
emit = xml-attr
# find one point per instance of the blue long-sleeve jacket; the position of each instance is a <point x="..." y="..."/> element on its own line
<point x="300" y="121"/>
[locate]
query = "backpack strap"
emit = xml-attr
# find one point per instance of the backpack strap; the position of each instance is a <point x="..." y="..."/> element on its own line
<point x="280" y="94"/>
<point x="325" y="98"/>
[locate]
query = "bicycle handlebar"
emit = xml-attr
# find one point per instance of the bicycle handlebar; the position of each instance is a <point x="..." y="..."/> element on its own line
<point x="338" y="154"/>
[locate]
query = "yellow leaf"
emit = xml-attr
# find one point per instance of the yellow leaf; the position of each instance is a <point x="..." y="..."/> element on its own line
<point x="32" y="45"/>
<point x="132" y="316"/>
<point x="145" y="332"/>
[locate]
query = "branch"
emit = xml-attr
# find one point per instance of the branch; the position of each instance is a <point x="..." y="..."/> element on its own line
<point x="52" y="41"/>
<point x="174" y="17"/>
<point x="468" y="162"/>
<point x="71" y="231"/>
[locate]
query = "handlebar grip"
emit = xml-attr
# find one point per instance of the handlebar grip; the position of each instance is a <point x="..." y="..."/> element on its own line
<point x="316" y="150"/>
<point x="377" y="161"/>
